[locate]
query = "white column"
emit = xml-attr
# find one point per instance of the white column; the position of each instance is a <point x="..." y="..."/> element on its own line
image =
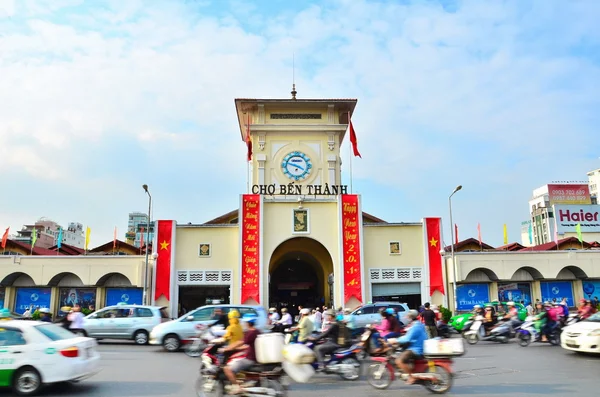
<point x="261" y="160"/>
<point x="331" y="162"/>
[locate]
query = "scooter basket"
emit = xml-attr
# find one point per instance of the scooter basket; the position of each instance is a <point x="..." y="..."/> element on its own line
<point x="444" y="347"/>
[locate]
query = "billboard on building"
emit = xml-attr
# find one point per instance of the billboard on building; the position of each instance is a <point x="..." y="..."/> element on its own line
<point x="569" y="194"/>
<point x="569" y="216"/>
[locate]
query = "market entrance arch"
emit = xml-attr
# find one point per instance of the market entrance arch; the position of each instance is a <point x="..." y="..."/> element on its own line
<point x="300" y="273"/>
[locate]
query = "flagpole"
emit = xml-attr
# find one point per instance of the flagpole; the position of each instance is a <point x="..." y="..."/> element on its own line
<point x="350" y="155"/>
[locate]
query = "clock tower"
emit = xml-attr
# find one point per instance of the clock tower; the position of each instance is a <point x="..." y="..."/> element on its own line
<point x="295" y="144"/>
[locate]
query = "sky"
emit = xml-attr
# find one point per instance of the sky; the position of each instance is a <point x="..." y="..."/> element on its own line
<point x="100" y="97"/>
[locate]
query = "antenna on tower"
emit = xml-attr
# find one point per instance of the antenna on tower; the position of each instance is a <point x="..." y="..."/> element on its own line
<point x="294" y="92"/>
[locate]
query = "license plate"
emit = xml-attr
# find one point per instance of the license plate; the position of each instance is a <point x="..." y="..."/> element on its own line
<point x="90" y="351"/>
<point x="570" y="342"/>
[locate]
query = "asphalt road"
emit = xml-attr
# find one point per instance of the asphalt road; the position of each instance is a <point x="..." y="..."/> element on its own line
<point x="487" y="369"/>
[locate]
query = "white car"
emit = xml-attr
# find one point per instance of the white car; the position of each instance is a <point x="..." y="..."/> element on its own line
<point x="583" y="336"/>
<point x="34" y="353"/>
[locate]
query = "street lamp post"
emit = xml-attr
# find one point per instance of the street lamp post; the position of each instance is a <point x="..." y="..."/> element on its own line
<point x="452" y="247"/>
<point x="145" y="299"/>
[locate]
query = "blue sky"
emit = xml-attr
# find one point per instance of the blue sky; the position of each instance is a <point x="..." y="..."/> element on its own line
<point x="101" y="97"/>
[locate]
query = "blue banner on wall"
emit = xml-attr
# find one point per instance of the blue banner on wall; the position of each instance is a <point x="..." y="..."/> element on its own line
<point x="131" y="296"/>
<point x="470" y="295"/>
<point x="555" y="291"/>
<point x="2" y="296"/>
<point x="36" y="298"/>
<point x="591" y="289"/>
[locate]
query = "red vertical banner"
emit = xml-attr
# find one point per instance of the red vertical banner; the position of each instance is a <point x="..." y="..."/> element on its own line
<point x="436" y="277"/>
<point x="164" y="243"/>
<point x="351" y="247"/>
<point x="250" y="218"/>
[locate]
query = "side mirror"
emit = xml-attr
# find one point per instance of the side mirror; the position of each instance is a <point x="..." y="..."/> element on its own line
<point x="189" y="318"/>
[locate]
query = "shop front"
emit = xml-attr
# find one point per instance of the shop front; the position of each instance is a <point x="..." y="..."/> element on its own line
<point x="469" y="295"/>
<point x="515" y="292"/>
<point x="556" y="291"/>
<point x="591" y="289"/>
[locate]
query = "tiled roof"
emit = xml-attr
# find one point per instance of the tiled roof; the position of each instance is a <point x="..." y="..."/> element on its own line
<point x="552" y="246"/>
<point x="511" y="247"/>
<point x="461" y="244"/>
<point x="36" y="250"/>
<point x="68" y="249"/>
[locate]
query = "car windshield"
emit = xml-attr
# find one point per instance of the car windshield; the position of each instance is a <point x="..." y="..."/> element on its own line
<point x="54" y="332"/>
<point x="594" y="318"/>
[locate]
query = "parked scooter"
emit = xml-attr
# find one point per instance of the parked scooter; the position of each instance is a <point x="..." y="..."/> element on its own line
<point x="527" y="333"/>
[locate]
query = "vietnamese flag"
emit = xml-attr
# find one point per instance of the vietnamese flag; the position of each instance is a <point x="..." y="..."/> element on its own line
<point x="249" y="139"/>
<point x="436" y="277"/>
<point x="5" y="237"/>
<point x="164" y="244"/>
<point x="353" y="140"/>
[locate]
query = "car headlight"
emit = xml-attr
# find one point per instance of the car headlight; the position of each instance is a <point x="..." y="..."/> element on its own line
<point x="595" y="332"/>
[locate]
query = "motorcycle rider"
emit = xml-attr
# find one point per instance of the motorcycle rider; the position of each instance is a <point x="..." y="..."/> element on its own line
<point x="586" y="310"/>
<point x="330" y="336"/>
<point x="286" y="321"/>
<point x="395" y="325"/>
<point x="305" y="326"/>
<point x="234" y="332"/>
<point x="489" y="318"/>
<point x="221" y="318"/>
<point x="415" y="339"/>
<point x="552" y="318"/>
<point x="246" y="344"/>
<point x="273" y="315"/>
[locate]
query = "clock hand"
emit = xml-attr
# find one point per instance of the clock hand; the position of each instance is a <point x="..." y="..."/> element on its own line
<point x="298" y="167"/>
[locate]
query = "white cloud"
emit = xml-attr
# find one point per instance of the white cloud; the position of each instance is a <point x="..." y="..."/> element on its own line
<point x="127" y="85"/>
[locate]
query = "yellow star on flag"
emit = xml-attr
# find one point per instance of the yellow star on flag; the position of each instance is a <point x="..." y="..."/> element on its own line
<point x="433" y="242"/>
<point x="164" y="245"/>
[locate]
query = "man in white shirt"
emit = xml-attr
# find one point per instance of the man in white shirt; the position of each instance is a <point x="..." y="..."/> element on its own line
<point x="286" y="318"/>
<point x="76" y="319"/>
<point x="273" y="315"/>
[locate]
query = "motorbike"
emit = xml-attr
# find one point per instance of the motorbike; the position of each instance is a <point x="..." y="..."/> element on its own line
<point x="258" y="381"/>
<point x="433" y="373"/>
<point x="527" y="333"/>
<point x="195" y="346"/>
<point x="342" y="362"/>
<point x="573" y="318"/>
<point x="502" y="332"/>
<point x="443" y="329"/>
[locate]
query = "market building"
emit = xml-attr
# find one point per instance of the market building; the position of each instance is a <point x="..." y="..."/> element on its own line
<point x="552" y="271"/>
<point x="299" y="237"/>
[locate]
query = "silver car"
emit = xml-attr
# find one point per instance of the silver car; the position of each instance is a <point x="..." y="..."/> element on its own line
<point x="132" y="322"/>
<point x="369" y="314"/>
<point x="172" y="334"/>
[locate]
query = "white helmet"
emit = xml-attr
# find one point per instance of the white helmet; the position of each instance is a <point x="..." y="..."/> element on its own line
<point x="510" y="303"/>
<point x="44" y="310"/>
<point x="305" y="311"/>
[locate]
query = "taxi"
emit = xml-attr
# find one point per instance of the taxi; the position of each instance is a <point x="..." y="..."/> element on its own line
<point x="35" y="353"/>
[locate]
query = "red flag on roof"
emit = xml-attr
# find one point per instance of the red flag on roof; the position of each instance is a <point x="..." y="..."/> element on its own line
<point x="353" y="139"/>
<point x="5" y="237"/>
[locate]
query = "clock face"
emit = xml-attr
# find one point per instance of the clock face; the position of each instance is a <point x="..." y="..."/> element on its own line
<point x="296" y="166"/>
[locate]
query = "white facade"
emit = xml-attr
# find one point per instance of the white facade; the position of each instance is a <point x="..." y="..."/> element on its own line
<point x="594" y="182"/>
<point x="542" y="217"/>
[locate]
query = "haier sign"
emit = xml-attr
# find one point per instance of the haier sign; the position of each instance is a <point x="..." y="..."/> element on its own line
<point x="568" y="216"/>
